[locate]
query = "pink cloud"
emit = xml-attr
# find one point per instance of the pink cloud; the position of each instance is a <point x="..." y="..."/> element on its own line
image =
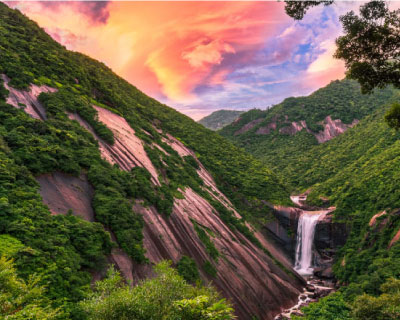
<point x="203" y="52"/>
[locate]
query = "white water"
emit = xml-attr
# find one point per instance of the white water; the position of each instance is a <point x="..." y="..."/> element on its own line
<point x="305" y="240"/>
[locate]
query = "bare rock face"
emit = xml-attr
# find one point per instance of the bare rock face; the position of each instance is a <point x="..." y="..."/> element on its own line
<point x="248" y="126"/>
<point x="329" y="234"/>
<point x="283" y="229"/>
<point x="294" y="128"/>
<point x="372" y="222"/>
<point x="62" y="192"/>
<point x="267" y="129"/>
<point x="127" y="150"/>
<point x="395" y="239"/>
<point x="333" y="128"/>
<point x="246" y="275"/>
<point x="27" y="100"/>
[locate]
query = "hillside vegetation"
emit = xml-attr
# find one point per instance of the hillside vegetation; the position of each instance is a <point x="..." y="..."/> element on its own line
<point x="339" y="100"/>
<point x="358" y="173"/>
<point x="219" y="119"/>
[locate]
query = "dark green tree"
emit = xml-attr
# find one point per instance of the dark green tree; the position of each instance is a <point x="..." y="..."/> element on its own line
<point x="392" y="117"/>
<point x="371" y="46"/>
<point x="297" y="9"/>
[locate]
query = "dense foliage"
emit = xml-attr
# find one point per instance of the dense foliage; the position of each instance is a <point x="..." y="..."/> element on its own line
<point x="340" y="100"/>
<point x="59" y="248"/>
<point x="20" y="300"/>
<point x="167" y="296"/>
<point x="219" y="119"/>
<point x="187" y="269"/>
<point x="370" y="45"/>
<point x="332" y="307"/>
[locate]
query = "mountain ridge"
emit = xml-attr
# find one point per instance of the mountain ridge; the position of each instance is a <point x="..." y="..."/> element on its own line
<point x="298" y="124"/>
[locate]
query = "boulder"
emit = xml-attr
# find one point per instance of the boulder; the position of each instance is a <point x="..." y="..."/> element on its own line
<point x="324" y="273"/>
<point x="321" y="292"/>
<point x="310" y="288"/>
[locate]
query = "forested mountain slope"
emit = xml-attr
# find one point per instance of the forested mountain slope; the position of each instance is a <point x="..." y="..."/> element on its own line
<point x="278" y="135"/>
<point x="93" y="172"/>
<point x="357" y="172"/>
<point x="219" y="119"/>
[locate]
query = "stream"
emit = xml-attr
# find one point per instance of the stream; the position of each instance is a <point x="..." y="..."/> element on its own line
<point x="316" y="288"/>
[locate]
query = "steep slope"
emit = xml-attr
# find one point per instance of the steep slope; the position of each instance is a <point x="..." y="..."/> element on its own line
<point x="356" y="172"/>
<point x="219" y="119"/>
<point x="160" y="186"/>
<point x="279" y="134"/>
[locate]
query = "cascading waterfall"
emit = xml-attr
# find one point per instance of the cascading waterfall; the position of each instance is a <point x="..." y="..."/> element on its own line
<point x="304" y="244"/>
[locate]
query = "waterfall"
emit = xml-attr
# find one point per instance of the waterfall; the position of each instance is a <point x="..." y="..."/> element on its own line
<point x="304" y="244"/>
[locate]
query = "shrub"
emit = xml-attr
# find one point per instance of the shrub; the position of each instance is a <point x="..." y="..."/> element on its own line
<point x="187" y="269"/>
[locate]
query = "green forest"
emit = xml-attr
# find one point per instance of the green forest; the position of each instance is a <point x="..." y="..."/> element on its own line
<point x="357" y="172"/>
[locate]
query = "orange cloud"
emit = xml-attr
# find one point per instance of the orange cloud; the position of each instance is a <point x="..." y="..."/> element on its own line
<point x="164" y="48"/>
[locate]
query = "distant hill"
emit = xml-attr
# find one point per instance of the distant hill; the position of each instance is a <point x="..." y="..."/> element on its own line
<point x="219" y="119"/>
<point x="287" y="130"/>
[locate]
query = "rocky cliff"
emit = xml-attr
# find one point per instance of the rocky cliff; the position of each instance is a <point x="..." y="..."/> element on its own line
<point x="329" y="235"/>
<point x="247" y="275"/>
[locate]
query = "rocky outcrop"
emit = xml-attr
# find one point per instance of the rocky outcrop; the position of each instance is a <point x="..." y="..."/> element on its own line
<point x="62" y="192"/>
<point x="127" y="150"/>
<point x="332" y="128"/>
<point x="283" y="229"/>
<point x="372" y="222"/>
<point x="248" y="126"/>
<point x="266" y="129"/>
<point x="395" y="239"/>
<point x="329" y="236"/>
<point x="294" y="127"/>
<point x="27" y="100"/>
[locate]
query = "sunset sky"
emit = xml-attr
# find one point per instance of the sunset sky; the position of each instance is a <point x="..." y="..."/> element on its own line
<point x="202" y="56"/>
